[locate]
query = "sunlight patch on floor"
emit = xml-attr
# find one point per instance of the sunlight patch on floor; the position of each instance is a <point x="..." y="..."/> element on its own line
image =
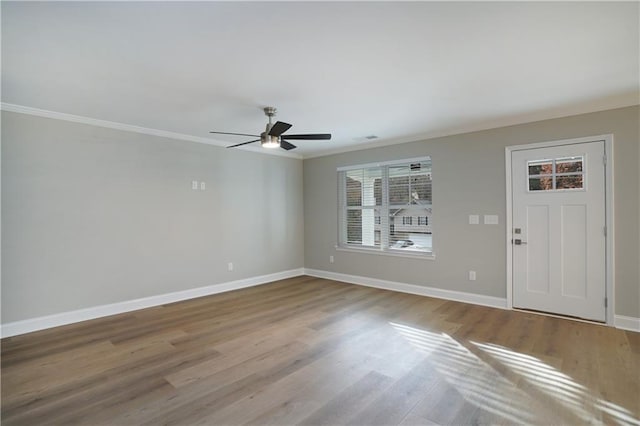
<point x="557" y="385"/>
<point x="474" y="379"/>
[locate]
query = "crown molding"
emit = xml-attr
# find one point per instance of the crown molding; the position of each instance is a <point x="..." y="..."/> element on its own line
<point x="135" y="129"/>
<point x="497" y="123"/>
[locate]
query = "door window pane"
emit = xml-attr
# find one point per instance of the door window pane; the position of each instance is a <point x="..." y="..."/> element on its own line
<point x="564" y="173"/>
<point x="569" y="182"/>
<point x="541" y="184"/>
<point x="540" y="167"/>
<point x="569" y="165"/>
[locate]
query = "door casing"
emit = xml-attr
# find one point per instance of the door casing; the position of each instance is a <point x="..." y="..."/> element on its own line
<point x="609" y="244"/>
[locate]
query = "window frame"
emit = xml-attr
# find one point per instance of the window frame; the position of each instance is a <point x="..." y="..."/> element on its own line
<point x="555" y="175"/>
<point x="384" y="209"/>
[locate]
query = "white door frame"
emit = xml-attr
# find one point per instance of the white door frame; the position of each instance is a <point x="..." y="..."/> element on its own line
<point x="610" y="277"/>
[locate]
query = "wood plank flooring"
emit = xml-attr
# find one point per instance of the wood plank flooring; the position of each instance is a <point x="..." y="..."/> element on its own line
<point x="311" y="351"/>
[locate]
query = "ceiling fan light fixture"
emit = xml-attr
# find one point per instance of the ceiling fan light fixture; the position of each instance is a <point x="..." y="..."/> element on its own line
<point x="269" y="141"/>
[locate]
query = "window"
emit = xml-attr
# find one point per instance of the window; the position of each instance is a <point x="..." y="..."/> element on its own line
<point x="555" y="174"/>
<point x="386" y="207"/>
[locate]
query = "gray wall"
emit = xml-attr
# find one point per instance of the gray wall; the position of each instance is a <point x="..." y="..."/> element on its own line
<point x="469" y="178"/>
<point x="92" y="216"/>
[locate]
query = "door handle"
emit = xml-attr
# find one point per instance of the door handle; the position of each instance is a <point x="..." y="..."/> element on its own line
<point x="519" y="242"/>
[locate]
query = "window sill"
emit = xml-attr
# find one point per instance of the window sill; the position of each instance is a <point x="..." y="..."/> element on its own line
<point x="392" y="253"/>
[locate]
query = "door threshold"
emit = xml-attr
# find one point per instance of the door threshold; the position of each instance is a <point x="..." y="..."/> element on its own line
<point x="567" y="317"/>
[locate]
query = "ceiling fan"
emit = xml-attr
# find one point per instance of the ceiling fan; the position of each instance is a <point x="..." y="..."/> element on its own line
<point x="273" y="136"/>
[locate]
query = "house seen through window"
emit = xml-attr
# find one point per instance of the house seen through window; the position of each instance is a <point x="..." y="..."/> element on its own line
<point x="387" y="207"/>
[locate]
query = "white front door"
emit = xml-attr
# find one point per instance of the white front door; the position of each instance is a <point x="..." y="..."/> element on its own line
<point x="559" y="240"/>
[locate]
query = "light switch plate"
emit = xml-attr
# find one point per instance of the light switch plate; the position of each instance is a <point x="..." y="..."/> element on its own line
<point x="474" y="219"/>
<point x="490" y="219"/>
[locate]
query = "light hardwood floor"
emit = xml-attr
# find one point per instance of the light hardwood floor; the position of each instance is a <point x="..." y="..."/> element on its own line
<point x="313" y="351"/>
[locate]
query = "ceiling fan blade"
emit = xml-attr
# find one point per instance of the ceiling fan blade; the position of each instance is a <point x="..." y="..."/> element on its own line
<point x="319" y="136"/>
<point x="279" y="128"/>
<point x="237" y="134"/>
<point x="286" y="145"/>
<point x="243" y="143"/>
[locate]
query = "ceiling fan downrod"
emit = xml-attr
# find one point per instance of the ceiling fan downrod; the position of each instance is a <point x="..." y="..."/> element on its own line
<point x="269" y="112"/>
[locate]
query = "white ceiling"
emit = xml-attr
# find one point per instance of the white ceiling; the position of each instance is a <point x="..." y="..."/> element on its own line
<point x="401" y="71"/>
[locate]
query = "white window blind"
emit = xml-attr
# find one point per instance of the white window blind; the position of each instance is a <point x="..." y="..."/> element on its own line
<point x="387" y="206"/>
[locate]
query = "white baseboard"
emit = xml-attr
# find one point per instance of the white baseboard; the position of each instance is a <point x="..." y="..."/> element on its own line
<point x="64" y="318"/>
<point x="458" y="296"/>
<point x="627" y="323"/>
<point x="49" y="321"/>
<point x="622" y="322"/>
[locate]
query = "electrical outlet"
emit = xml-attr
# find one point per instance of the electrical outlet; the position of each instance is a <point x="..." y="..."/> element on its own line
<point x="472" y="275"/>
<point x="474" y="219"/>
<point x="330" y="259"/>
<point x="194" y="184"/>
<point x="230" y="266"/>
